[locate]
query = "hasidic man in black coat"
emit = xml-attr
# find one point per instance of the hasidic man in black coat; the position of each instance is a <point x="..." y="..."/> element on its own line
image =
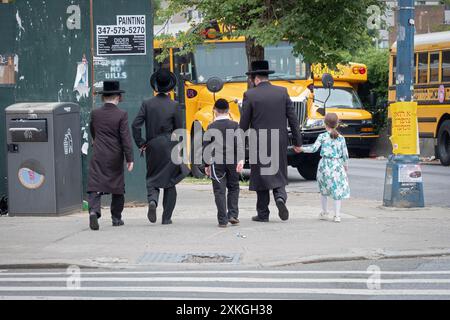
<point x="267" y="109"/>
<point x="112" y="147"/>
<point x="161" y="116"/>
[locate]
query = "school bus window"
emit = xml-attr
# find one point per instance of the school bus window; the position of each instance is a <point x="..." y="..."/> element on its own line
<point x="415" y="69"/>
<point x="434" y="67"/>
<point x="423" y="67"/>
<point x="394" y="70"/>
<point x="446" y="66"/>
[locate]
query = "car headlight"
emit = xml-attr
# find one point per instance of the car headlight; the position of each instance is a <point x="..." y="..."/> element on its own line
<point x="314" y="124"/>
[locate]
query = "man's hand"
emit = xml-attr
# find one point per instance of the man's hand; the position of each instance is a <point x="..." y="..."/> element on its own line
<point x="208" y="171"/>
<point x="130" y="166"/>
<point x="298" y="149"/>
<point x="240" y="166"/>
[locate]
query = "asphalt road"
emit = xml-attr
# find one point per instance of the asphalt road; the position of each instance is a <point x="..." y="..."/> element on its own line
<point x="382" y="279"/>
<point x="366" y="178"/>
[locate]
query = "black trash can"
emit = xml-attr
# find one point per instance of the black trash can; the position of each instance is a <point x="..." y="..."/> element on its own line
<point x="44" y="158"/>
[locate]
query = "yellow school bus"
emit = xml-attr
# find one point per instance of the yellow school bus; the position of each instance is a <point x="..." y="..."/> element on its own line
<point x="431" y="79"/>
<point x="356" y="122"/>
<point x="226" y="59"/>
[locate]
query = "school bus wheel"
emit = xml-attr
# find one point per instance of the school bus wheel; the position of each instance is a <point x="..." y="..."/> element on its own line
<point x="443" y="147"/>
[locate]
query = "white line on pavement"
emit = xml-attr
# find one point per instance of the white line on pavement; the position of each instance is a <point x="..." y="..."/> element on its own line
<point x="226" y="272"/>
<point x="66" y="297"/>
<point x="228" y="279"/>
<point x="324" y="291"/>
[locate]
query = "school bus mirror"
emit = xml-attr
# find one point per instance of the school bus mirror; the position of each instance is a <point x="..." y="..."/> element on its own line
<point x="321" y="111"/>
<point x="327" y="81"/>
<point x="214" y="84"/>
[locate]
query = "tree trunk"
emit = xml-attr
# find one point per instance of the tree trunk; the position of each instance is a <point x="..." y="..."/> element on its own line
<point x="254" y="52"/>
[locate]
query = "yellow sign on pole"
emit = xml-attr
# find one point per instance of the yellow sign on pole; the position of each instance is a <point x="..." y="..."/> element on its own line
<point x="405" y="133"/>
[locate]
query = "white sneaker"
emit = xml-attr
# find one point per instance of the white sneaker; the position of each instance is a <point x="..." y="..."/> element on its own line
<point x="323" y="216"/>
<point x="337" y="219"/>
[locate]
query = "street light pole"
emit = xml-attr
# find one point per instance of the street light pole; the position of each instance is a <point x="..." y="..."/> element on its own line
<point x="405" y="50"/>
<point x="403" y="185"/>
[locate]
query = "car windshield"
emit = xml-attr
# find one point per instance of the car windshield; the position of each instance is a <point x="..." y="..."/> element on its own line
<point x="339" y="98"/>
<point x="228" y="61"/>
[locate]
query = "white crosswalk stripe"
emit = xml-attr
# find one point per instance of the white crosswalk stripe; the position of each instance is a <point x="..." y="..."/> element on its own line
<point x="223" y="285"/>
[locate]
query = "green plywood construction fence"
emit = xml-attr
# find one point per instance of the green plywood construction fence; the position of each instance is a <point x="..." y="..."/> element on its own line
<point x="51" y="38"/>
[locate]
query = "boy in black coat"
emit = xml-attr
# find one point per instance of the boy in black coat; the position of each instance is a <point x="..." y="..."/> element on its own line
<point x="224" y="158"/>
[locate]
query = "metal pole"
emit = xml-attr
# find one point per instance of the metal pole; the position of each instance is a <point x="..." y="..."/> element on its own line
<point x="405" y="50"/>
<point x="403" y="185"/>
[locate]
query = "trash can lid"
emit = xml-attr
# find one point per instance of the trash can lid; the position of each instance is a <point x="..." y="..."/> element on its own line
<point x="43" y="107"/>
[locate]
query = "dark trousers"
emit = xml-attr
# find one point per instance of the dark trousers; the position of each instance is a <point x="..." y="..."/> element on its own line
<point x="169" y="200"/>
<point x="227" y="179"/>
<point x="262" y="204"/>
<point x="117" y="204"/>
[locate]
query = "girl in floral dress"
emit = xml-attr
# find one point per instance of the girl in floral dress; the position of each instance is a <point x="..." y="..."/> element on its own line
<point x="333" y="167"/>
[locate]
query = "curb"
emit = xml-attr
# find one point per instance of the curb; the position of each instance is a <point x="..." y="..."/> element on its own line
<point x="374" y="255"/>
<point x="378" y="255"/>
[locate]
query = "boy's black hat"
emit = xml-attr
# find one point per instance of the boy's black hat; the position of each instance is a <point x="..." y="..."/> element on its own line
<point x="111" y="88"/>
<point x="222" y="104"/>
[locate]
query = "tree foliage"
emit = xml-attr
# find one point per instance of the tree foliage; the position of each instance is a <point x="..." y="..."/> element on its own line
<point x="321" y="30"/>
<point x="377" y="61"/>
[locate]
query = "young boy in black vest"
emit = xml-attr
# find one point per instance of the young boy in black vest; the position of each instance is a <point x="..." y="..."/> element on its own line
<point x="224" y="161"/>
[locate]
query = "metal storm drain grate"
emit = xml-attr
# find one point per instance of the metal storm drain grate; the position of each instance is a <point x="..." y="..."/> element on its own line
<point x="156" y="257"/>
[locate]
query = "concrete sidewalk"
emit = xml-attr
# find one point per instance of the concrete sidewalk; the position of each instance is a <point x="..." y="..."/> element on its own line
<point x="366" y="231"/>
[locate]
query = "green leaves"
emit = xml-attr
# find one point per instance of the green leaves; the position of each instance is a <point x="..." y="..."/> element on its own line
<point x="321" y="30"/>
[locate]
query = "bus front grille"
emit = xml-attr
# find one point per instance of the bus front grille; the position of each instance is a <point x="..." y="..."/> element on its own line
<point x="300" y="111"/>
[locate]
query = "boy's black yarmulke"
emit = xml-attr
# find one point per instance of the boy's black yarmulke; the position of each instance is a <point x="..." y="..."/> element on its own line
<point x="221" y="104"/>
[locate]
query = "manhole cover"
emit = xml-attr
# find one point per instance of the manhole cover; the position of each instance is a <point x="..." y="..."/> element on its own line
<point x="157" y="257"/>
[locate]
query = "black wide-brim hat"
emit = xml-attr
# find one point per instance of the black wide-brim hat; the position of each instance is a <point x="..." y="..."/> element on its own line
<point x="260" y="67"/>
<point x="163" y="81"/>
<point x="111" y="87"/>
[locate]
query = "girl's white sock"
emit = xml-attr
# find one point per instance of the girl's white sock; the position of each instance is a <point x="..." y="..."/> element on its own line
<point x="324" y="204"/>
<point x="337" y="208"/>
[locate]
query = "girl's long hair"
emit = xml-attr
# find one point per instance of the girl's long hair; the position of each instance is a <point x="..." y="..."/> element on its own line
<point x="332" y="122"/>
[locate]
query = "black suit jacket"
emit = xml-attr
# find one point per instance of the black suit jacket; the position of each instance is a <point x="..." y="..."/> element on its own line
<point x="229" y="149"/>
<point x="269" y="107"/>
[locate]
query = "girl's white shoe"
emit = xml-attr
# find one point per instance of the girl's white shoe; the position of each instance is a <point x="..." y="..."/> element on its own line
<point x="337" y="219"/>
<point x="323" y="216"/>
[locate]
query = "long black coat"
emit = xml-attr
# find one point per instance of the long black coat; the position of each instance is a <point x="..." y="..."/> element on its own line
<point x="161" y="116"/>
<point x="112" y="143"/>
<point x="270" y="107"/>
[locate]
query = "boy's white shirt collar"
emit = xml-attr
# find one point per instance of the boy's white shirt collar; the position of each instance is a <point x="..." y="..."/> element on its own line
<point x="224" y="117"/>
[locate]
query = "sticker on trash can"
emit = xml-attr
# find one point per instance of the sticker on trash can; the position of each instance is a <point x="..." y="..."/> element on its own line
<point x="68" y="143"/>
<point x="31" y="175"/>
<point x="409" y="173"/>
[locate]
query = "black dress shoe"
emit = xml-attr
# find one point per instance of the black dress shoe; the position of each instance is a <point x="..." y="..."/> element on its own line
<point x="93" y="222"/>
<point x="258" y="219"/>
<point x="233" y="221"/>
<point x="151" y="214"/>
<point x="283" y="212"/>
<point x="118" y="223"/>
<point x="167" y="222"/>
